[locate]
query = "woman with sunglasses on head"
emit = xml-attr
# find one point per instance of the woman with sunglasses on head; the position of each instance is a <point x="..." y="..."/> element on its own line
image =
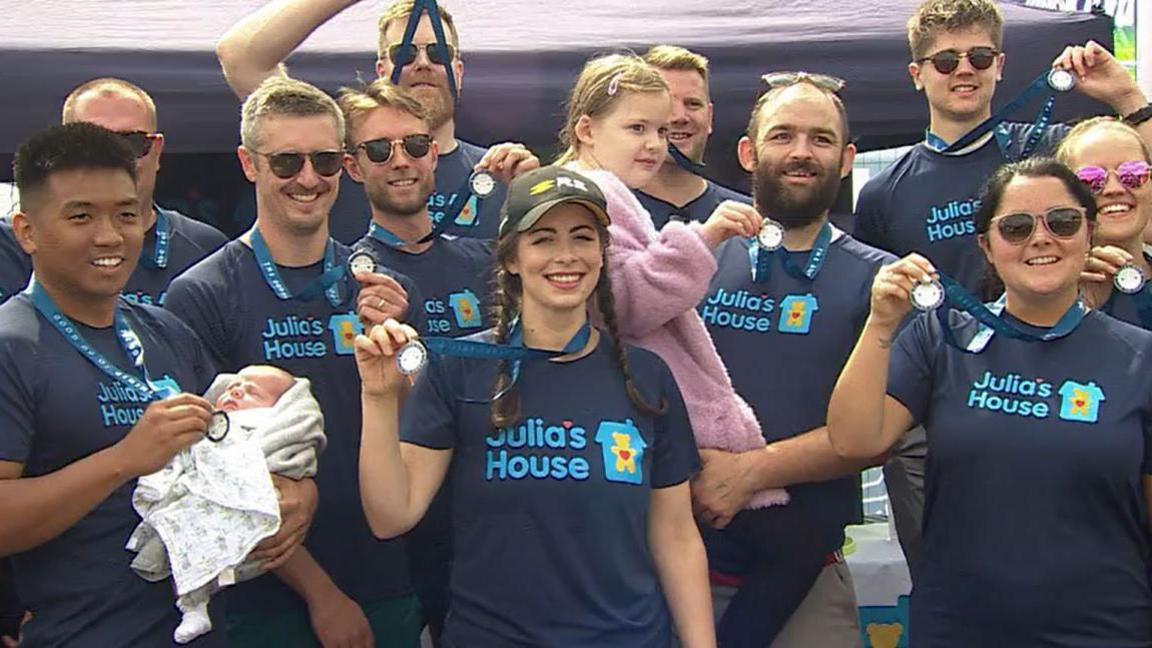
<point x="569" y="468"/>
<point x="1036" y="515"/>
<point x="1112" y="160"/>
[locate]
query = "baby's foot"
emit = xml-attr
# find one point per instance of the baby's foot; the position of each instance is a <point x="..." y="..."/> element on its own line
<point x="194" y="624"/>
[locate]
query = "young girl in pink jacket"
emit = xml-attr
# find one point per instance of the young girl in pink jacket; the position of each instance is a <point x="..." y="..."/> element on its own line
<point x="616" y="135"/>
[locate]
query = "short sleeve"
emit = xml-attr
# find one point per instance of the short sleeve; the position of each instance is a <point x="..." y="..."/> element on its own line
<point x="675" y="458"/>
<point x="428" y="417"/>
<point x="199" y="363"/>
<point x="910" y="366"/>
<point x="867" y="219"/>
<point x="17" y="417"/>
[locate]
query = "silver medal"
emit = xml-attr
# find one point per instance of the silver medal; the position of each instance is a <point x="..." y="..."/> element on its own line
<point x="771" y="235"/>
<point x="482" y="184"/>
<point x="411" y="358"/>
<point x="927" y="295"/>
<point x="1061" y="80"/>
<point x="218" y="426"/>
<point x="361" y="262"/>
<point x="1129" y="280"/>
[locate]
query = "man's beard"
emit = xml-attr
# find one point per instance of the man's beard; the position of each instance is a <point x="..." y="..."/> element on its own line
<point x="794" y="207"/>
<point x="437" y="103"/>
<point x="381" y="199"/>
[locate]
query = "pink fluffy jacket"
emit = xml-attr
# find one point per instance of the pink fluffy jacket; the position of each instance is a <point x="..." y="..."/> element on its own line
<point x="658" y="278"/>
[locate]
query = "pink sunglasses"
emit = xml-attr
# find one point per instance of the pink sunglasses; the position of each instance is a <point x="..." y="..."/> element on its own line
<point x="1132" y="175"/>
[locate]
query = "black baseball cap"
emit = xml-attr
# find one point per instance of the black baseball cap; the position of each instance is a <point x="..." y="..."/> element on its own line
<point x="531" y="195"/>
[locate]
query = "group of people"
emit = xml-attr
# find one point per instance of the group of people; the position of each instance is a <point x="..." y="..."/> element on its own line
<point x="633" y="419"/>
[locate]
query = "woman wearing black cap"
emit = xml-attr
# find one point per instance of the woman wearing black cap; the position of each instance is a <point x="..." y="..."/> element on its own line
<point x="570" y="474"/>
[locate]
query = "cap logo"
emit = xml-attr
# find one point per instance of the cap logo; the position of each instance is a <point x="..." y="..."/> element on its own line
<point x="541" y="187"/>
<point x="573" y="183"/>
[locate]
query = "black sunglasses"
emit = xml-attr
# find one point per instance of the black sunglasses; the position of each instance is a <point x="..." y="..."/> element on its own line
<point x="380" y="150"/>
<point x="139" y="141"/>
<point x="287" y="165"/>
<point x="948" y="60"/>
<point x="437" y="54"/>
<point x="1062" y="222"/>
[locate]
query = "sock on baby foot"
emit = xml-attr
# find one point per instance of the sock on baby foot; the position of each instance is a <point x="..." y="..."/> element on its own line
<point x="194" y="624"/>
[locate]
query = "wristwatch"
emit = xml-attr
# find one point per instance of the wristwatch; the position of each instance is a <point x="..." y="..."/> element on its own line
<point x="1139" y="117"/>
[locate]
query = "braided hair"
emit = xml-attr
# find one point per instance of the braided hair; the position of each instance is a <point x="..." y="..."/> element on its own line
<point x="507" y="292"/>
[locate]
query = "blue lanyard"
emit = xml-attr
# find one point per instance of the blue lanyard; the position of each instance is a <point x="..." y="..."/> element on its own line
<point x="684" y="162"/>
<point x="1038" y="85"/>
<point x="418" y="8"/>
<point x="129" y="342"/>
<point x="514" y="351"/>
<point x="325" y="284"/>
<point x="991" y="321"/>
<point x="762" y="260"/>
<point x="446" y="221"/>
<point x="158" y="259"/>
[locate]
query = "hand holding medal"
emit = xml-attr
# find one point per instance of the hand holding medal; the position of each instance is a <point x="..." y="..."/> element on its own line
<point x="387" y="354"/>
<point x="908" y="283"/>
<point x="732" y="218"/>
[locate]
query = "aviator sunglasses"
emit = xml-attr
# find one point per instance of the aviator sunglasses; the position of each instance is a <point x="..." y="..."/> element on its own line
<point x="1062" y="222"/>
<point x="380" y="150"/>
<point x="287" y="165"/>
<point x="948" y="60"/>
<point x="139" y="141"/>
<point x="437" y="54"/>
<point x="1132" y="175"/>
<point x="782" y="79"/>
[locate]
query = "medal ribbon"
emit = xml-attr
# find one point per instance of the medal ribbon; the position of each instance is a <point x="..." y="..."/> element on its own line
<point x="991" y="321"/>
<point x="129" y="342"/>
<point x="158" y="260"/>
<point x="1038" y="85"/>
<point x="762" y="260"/>
<point x="684" y="162"/>
<point x="420" y="7"/>
<point x="326" y="284"/>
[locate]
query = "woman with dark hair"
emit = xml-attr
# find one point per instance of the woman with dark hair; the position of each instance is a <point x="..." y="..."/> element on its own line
<point x="1038" y="418"/>
<point x="571" y="507"/>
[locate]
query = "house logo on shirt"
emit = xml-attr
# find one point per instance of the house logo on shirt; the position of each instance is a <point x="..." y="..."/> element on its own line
<point x="466" y="308"/>
<point x="1080" y="402"/>
<point x="796" y="313"/>
<point x="622" y="448"/>
<point x="1014" y="394"/>
<point x="560" y="451"/>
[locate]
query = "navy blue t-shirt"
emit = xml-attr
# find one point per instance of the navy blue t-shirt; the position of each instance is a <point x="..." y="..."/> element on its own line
<point x="697" y="210"/>
<point x="189" y="241"/>
<point x="550" y="517"/>
<point x="924" y="202"/>
<point x="784" y="342"/>
<point x="15" y="265"/>
<point x="56" y="408"/>
<point x="352" y="213"/>
<point x="225" y="300"/>
<point x="453" y="277"/>
<point x="1035" y="523"/>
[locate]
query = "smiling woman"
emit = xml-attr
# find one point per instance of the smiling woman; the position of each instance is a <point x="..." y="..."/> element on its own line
<point x="1042" y="431"/>
<point x="1112" y="160"/>
<point x="570" y="476"/>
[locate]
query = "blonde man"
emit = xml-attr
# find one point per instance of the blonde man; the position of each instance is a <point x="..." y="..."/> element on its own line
<point x="676" y="193"/>
<point x="277" y="296"/>
<point x="255" y="48"/>
<point x="392" y="153"/>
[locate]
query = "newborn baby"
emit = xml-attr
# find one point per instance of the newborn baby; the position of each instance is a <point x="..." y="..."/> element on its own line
<point x="205" y="511"/>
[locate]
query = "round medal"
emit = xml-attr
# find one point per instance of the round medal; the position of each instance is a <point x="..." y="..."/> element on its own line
<point x="771" y="235"/>
<point x="482" y="183"/>
<point x="361" y="262"/>
<point x="411" y="358"/>
<point x="1129" y="280"/>
<point x="1061" y="80"/>
<point x="927" y="295"/>
<point x="218" y="426"/>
